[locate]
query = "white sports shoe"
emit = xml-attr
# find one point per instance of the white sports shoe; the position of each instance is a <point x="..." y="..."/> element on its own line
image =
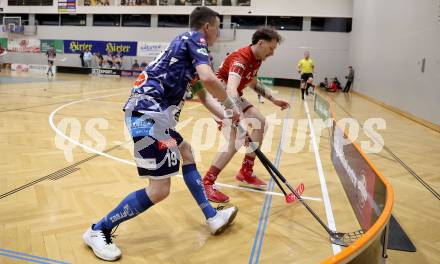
<point x="102" y="244"/>
<point x="218" y="223"/>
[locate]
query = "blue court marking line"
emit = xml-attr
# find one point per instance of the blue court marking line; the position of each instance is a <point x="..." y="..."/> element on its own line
<point x="21" y="258"/>
<point x="277" y="164"/>
<point x="257" y="234"/>
<point x="268" y="199"/>
<point x="28" y="257"/>
<point x="257" y="258"/>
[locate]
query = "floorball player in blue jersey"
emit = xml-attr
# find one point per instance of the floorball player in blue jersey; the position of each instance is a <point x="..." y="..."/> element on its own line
<point x="151" y="114"/>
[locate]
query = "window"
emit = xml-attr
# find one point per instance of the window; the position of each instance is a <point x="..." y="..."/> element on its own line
<point x="106" y="20"/>
<point x="212" y="2"/>
<point x="138" y="3"/>
<point x="48" y="19"/>
<point x="30" y="2"/>
<point x="135" y="20"/>
<point x="95" y="2"/>
<point x="331" y="24"/>
<point x="248" y="22"/>
<point x="181" y="2"/>
<point x="173" y="21"/>
<point x="228" y="2"/>
<point x="285" y="23"/>
<point x="73" y="19"/>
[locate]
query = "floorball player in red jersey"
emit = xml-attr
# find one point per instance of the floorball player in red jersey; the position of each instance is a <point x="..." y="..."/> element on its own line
<point x="239" y="70"/>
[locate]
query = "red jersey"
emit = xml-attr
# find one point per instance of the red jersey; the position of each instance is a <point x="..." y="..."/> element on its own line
<point x="242" y="63"/>
<point x="333" y="87"/>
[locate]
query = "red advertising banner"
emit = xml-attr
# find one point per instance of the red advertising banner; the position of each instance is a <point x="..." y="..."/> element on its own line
<point x="24" y="45"/>
<point x="357" y="178"/>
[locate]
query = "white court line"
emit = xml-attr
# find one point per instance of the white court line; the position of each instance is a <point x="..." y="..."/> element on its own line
<point x="57" y="131"/>
<point x="325" y="196"/>
<point x="263" y="192"/>
<point x="92" y="150"/>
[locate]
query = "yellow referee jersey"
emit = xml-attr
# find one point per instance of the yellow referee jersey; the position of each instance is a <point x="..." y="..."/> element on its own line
<point x="306" y="66"/>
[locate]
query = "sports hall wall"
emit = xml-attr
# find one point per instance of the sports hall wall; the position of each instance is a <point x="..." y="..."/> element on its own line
<point x="328" y="49"/>
<point x="388" y="48"/>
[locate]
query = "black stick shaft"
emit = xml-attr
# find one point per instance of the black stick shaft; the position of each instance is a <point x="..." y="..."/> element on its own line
<point x="267" y="162"/>
<point x="274" y="177"/>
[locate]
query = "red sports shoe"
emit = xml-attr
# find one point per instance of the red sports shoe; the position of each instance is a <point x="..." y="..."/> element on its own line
<point x="215" y="195"/>
<point x="248" y="179"/>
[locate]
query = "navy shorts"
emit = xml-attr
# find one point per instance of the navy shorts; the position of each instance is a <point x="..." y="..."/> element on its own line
<point x="156" y="155"/>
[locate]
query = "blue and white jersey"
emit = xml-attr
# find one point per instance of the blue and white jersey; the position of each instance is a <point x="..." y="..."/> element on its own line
<point x="164" y="82"/>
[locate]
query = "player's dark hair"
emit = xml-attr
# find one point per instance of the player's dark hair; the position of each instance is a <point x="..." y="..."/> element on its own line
<point x="266" y="33"/>
<point x="202" y="15"/>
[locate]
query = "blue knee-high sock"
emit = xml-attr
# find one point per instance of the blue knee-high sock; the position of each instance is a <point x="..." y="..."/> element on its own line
<point x="132" y="205"/>
<point x="194" y="183"/>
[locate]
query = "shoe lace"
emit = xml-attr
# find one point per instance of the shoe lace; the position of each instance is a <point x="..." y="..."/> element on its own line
<point x="213" y="189"/>
<point x="108" y="235"/>
<point x="220" y="207"/>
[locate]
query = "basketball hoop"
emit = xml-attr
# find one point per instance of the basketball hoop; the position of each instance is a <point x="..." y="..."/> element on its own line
<point x="12" y="26"/>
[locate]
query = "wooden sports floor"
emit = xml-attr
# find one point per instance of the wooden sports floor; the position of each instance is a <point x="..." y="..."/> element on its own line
<point x="66" y="161"/>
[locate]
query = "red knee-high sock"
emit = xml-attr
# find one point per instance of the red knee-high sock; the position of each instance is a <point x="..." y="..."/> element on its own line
<point x="211" y="175"/>
<point x="248" y="163"/>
